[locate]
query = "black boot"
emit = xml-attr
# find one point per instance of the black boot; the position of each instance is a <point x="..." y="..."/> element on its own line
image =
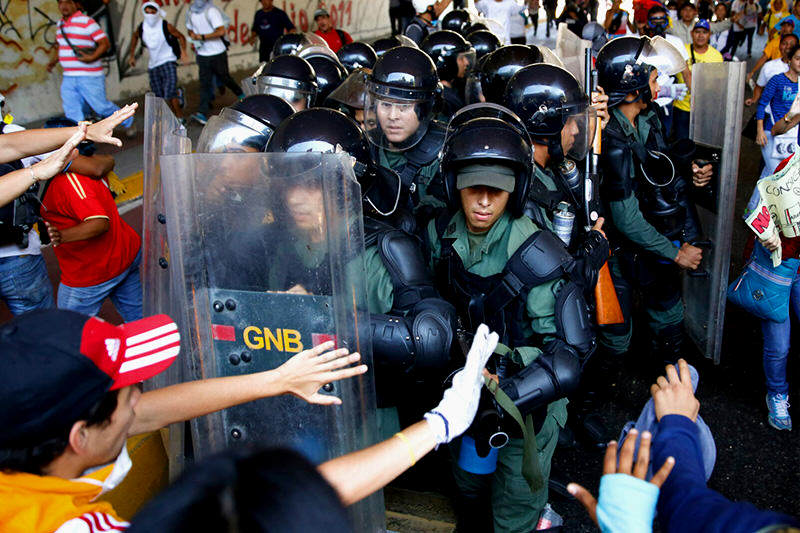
<point x="668" y="344"/>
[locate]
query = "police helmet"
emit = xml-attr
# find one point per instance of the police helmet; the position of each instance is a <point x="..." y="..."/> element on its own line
<point x="446" y="48"/>
<point x="475" y="26"/>
<point x="624" y="66"/>
<point x="458" y="20"/>
<point x="487" y="141"/>
<point x="484" y="42"/>
<point x="381" y="46"/>
<point x="245" y="126"/>
<point x="500" y="65"/>
<point x="401" y="93"/>
<point x="329" y="131"/>
<point x="595" y="33"/>
<point x="330" y="74"/>
<point x="546" y="98"/>
<point x="290" y="43"/>
<point x="357" y="55"/>
<point x="290" y="77"/>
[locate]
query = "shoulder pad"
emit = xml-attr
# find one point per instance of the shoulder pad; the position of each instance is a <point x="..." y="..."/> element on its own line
<point x="428" y="148"/>
<point x="615" y="163"/>
<point x="373" y="229"/>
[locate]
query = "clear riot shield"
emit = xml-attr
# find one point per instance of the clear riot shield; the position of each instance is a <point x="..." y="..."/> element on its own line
<point x="570" y="49"/>
<point x="163" y="134"/>
<point x="270" y="250"/>
<point x="716" y="128"/>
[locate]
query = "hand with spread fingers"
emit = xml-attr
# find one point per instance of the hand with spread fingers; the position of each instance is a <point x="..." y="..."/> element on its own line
<point x="306" y="372"/>
<point x="627" y="502"/>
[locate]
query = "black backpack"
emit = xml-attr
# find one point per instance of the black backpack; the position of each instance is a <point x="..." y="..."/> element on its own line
<point x="172" y="41"/>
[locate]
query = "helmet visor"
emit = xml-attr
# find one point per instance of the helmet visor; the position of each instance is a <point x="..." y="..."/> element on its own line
<point x="467" y="60"/>
<point x="353" y="90"/>
<point x="233" y="132"/>
<point x="660" y="53"/>
<point x="406" y="41"/>
<point x="299" y="95"/>
<point x="395" y="124"/>
<point x="577" y="134"/>
<point x="473" y="91"/>
<point x="549" y="57"/>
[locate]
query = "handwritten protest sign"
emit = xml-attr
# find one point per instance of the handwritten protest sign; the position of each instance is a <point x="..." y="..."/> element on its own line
<point x="776" y="206"/>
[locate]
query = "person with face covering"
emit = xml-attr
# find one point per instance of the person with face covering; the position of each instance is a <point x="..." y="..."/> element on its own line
<point x="207" y="28"/>
<point x="166" y="45"/>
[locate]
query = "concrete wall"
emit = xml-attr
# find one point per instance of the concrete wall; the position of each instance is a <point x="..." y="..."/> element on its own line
<point x="28" y="30"/>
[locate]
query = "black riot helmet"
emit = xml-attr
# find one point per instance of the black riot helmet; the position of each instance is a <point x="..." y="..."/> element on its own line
<point x="381" y="46"/>
<point x="554" y="108"/>
<point x="500" y="65"/>
<point x="475" y="26"/>
<point x="484" y="42"/>
<point x="329" y="131"/>
<point x="357" y="55"/>
<point x="245" y="126"/>
<point x="487" y="141"/>
<point x="290" y="43"/>
<point x="624" y="65"/>
<point x="290" y="77"/>
<point x="330" y="74"/>
<point x="449" y="52"/>
<point x="458" y="20"/>
<point x="401" y="93"/>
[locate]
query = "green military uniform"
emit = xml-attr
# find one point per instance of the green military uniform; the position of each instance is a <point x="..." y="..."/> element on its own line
<point x="397" y="160"/>
<point x="515" y="507"/>
<point x="626" y="216"/>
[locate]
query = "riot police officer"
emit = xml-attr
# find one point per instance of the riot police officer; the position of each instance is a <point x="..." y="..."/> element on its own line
<point x="412" y="326"/>
<point x="289" y="77"/>
<point x="484" y="42"/>
<point x="329" y="71"/>
<point x="646" y="194"/>
<point x="428" y="12"/>
<point x="454" y="58"/>
<point x="458" y="20"/>
<point x="399" y="116"/>
<point x="349" y="96"/>
<point x="496" y="265"/>
<point x="246" y="126"/>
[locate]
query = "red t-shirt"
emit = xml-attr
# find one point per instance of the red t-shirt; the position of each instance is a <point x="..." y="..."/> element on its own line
<point x="73" y="198"/>
<point x="334" y="40"/>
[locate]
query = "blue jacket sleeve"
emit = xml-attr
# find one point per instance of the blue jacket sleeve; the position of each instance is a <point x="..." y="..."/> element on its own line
<point x="766" y="96"/>
<point x="686" y="504"/>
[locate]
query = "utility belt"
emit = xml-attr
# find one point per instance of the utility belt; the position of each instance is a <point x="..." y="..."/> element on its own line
<point x="18" y="218"/>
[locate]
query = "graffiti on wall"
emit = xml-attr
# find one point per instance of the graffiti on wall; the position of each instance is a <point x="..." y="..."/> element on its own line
<point x="28" y="41"/>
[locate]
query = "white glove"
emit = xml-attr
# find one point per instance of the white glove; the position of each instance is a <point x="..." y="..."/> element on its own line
<point x="771" y="243"/>
<point x="676" y="91"/>
<point x="455" y="412"/>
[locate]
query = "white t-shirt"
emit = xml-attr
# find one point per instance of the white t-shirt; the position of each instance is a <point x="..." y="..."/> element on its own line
<point x="157" y="46"/>
<point x="204" y="23"/>
<point x="516" y="27"/>
<point x="34" y="243"/>
<point x="501" y="12"/>
<point x="749" y="12"/>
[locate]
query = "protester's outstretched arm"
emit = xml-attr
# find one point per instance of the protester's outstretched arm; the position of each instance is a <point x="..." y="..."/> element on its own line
<point x="302" y="376"/>
<point x="17" y="182"/>
<point x="359" y="474"/>
<point x="686" y="504"/>
<point x="627" y="502"/>
<point x="21" y="144"/>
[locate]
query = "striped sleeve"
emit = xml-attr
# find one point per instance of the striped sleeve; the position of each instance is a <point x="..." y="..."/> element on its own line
<point x="93" y="523"/>
<point x="82" y="197"/>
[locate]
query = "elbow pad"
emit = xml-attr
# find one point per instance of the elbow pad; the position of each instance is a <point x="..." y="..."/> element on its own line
<point x="552" y="376"/>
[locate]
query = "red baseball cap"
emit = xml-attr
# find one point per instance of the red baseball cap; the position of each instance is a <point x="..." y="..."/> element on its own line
<point x="55" y="365"/>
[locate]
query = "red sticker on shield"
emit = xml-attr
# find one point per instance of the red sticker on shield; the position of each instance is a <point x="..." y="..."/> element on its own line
<point x="319" y="338"/>
<point x="223" y="333"/>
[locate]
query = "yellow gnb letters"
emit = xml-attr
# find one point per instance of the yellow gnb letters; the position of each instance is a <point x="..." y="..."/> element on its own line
<point x="284" y="340"/>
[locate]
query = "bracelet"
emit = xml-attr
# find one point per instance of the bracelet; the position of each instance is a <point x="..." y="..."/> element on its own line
<point x="33" y="176"/>
<point x="403" y="438"/>
<point x="203" y="37"/>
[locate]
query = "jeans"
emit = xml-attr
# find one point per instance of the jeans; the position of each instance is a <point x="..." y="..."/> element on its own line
<point x="24" y="284"/>
<point x="776" y="344"/>
<point x="740" y="37"/>
<point x="680" y="124"/>
<point x="91" y="90"/>
<point x="124" y="290"/>
<point x="211" y="67"/>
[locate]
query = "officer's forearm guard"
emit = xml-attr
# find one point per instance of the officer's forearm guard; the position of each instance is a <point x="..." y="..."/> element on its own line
<point x="418" y="342"/>
<point x="553" y="375"/>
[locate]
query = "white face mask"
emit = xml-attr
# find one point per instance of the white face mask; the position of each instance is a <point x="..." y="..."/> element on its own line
<point x="151" y="19"/>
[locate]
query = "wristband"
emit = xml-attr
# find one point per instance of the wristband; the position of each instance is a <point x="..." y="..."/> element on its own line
<point x="203" y="37"/>
<point x="33" y="176"/>
<point x="403" y="438"/>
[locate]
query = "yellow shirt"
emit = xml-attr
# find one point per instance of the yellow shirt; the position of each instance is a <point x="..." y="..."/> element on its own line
<point x="772" y="49"/>
<point x="709" y="56"/>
